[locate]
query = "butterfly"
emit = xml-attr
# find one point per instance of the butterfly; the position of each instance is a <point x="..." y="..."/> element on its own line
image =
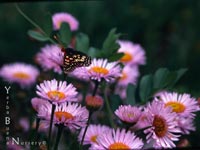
<point x="74" y="59"/>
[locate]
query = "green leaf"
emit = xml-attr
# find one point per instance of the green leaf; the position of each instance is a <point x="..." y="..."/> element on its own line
<point x="38" y="36"/>
<point x="94" y="52"/>
<point x="115" y="101"/>
<point x="180" y="73"/>
<point x="146" y="87"/>
<point x="171" y="79"/>
<point x="110" y="45"/>
<point x="82" y="42"/>
<point x="115" y="57"/>
<point x="130" y="94"/>
<point x="65" y="34"/>
<point x="175" y="76"/>
<point x="160" y="78"/>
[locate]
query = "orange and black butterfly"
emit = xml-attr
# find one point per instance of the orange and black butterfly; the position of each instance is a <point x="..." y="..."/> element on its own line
<point x="74" y="59"/>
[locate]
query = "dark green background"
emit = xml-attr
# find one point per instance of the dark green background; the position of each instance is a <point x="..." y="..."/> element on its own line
<point x="167" y="29"/>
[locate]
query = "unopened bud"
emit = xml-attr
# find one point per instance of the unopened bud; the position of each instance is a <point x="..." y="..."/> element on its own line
<point x="183" y="143"/>
<point x="93" y="102"/>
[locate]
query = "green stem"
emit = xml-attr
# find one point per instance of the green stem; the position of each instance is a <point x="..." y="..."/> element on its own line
<point x="108" y="109"/>
<point x="60" y="129"/>
<point x="37" y="124"/>
<point x="88" y="122"/>
<point x="95" y="88"/>
<point x="33" y="23"/>
<point x="51" y="122"/>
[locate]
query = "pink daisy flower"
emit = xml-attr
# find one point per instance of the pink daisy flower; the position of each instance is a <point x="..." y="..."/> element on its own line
<point x="24" y="123"/>
<point x="163" y="130"/>
<point x="93" y="133"/>
<point x="129" y="75"/>
<point x="50" y="57"/>
<point x="72" y="115"/>
<point x="159" y="93"/>
<point x="134" y="54"/>
<point x="58" y="18"/>
<point x="98" y="70"/>
<point x="57" y="91"/>
<point x="23" y="74"/>
<point x="117" y="140"/>
<point x="121" y="91"/>
<point x="10" y="145"/>
<point x="186" y="125"/>
<point x="183" y="104"/>
<point x="142" y="122"/>
<point x="37" y="102"/>
<point x="128" y="113"/>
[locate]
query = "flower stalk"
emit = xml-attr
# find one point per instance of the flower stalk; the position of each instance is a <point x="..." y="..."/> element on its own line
<point x="51" y="122"/>
<point x="88" y="122"/>
<point x="95" y="88"/>
<point x="59" y="134"/>
<point x="108" y="109"/>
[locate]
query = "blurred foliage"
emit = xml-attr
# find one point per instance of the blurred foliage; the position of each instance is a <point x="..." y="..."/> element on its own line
<point x="167" y="30"/>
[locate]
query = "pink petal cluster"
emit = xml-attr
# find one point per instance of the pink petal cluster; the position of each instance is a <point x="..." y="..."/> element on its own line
<point x="50" y="57"/>
<point x="60" y="17"/>
<point x="23" y="74"/>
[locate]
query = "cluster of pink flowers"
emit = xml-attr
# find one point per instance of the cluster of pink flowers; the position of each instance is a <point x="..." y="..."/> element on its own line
<point x="103" y="137"/>
<point x="64" y="96"/>
<point x="163" y="120"/>
<point x="23" y="74"/>
<point x="98" y="70"/>
<point x="134" y="55"/>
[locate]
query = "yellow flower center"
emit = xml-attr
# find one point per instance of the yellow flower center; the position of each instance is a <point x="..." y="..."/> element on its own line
<point x="99" y="70"/>
<point x="66" y="115"/>
<point x="118" y="146"/>
<point x="56" y="95"/>
<point x="160" y="126"/>
<point x="126" y="58"/>
<point x="130" y="115"/>
<point x="124" y="76"/>
<point x="94" y="138"/>
<point x="176" y="106"/>
<point x="21" y="75"/>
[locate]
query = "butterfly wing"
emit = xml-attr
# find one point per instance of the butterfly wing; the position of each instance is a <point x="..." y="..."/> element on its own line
<point x="74" y="59"/>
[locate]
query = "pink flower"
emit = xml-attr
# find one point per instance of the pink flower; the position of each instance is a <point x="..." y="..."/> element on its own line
<point x="50" y="57"/>
<point x="129" y="75"/>
<point x="128" y="113"/>
<point x="142" y="122"/>
<point x="93" y="133"/>
<point x="186" y="124"/>
<point x="23" y="74"/>
<point x="98" y="70"/>
<point x="121" y="91"/>
<point x="58" y="18"/>
<point x="134" y="54"/>
<point x="57" y="91"/>
<point x="37" y="102"/>
<point x="24" y="123"/>
<point x="183" y="104"/>
<point x="43" y="126"/>
<point x="163" y="125"/>
<point x="117" y="140"/>
<point x="71" y="115"/>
